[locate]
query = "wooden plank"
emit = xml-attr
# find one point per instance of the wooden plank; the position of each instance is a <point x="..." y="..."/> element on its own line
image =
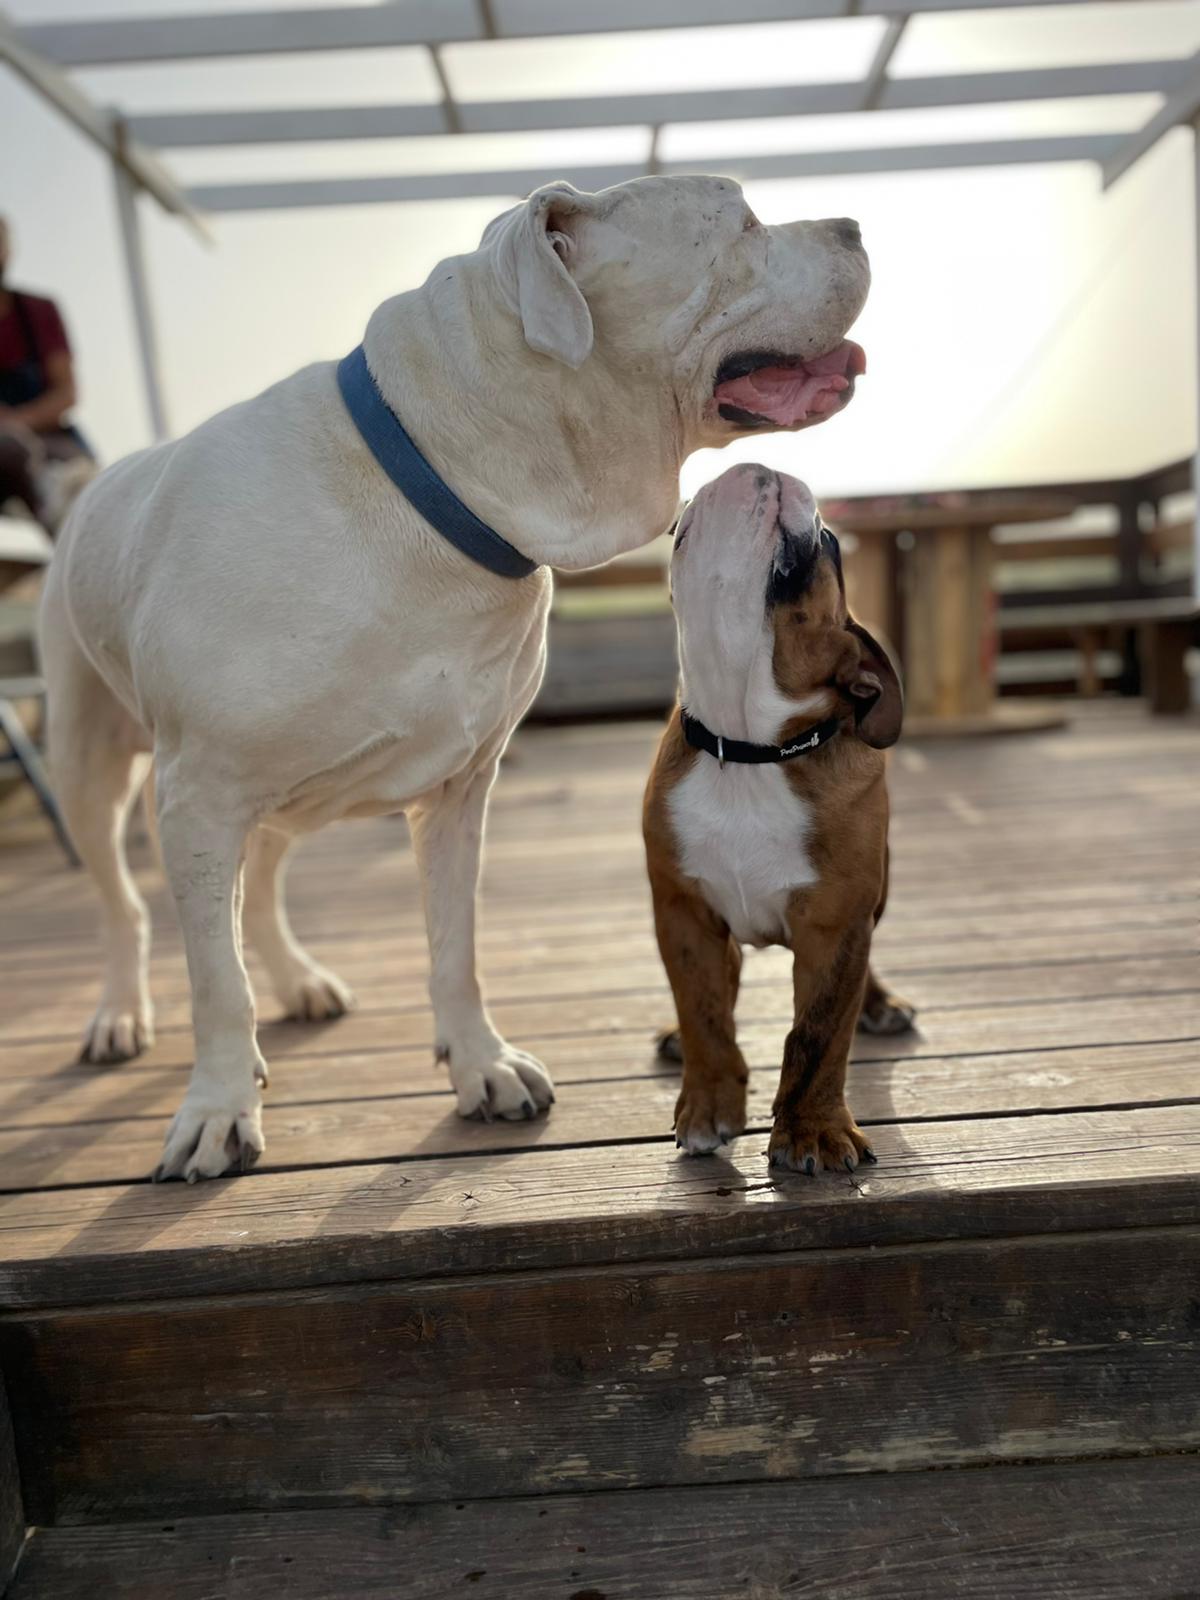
<point x="386" y="977"/>
<point x="1164" y="646"/>
<point x="538" y="1209"/>
<point x="947" y="1004"/>
<point x="788" y="1366"/>
<point x="946" y="958"/>
<point x="912" y="924"/>
<point x="1084" y="1531"/>
<point x="121" y="1140"/>
<point x="870" y="582"/>
<point x="577" y="887"/>
<point x="627" y="1105"/>
<point x="12" y="1512"/>
<point x="613" y="1050"/>
<point x="994" y="933"/>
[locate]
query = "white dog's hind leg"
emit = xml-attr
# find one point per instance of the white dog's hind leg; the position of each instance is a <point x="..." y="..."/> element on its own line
<point x="490" y="1078"/>
<point x="98" y="762"/>
<point x="219" y="1124"/>
<point x="305" y="989"/>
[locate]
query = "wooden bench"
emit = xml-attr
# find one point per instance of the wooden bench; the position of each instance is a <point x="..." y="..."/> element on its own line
<point x="1166" y="625"/>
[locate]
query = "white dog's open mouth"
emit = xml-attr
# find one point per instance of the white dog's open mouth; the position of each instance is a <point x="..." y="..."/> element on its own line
<point x="757" y="388"/>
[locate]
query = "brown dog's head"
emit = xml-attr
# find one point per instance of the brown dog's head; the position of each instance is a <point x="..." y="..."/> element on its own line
<point x="760" y="604"/>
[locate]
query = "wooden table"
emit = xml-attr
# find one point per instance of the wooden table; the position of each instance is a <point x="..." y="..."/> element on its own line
<point x="935" y="600"/>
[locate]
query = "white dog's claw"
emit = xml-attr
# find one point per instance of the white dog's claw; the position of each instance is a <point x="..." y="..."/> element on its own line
<point x="499" y="1082"/>
<point x="116" y="1035"/>
<point x="318" y="996"/>
<point x="207" y="1139"/>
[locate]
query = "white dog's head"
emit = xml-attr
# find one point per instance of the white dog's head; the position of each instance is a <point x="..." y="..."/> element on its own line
<point x="675" y="279"/>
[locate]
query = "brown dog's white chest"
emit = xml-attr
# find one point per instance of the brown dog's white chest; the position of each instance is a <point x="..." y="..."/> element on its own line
<point x="743" y="833"/>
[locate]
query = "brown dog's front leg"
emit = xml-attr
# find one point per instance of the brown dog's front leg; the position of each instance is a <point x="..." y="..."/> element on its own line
<point x="884" y="1011"/>
<point x="813" y="1125"/>
<point x="703" y="963"/>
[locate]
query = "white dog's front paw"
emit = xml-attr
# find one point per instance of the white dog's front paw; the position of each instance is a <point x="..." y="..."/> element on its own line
<point x="492" y="1079"/>
<point x="118" y="1033"/>
<point x="314" y="994"/>
<point x="214" y="1131"/>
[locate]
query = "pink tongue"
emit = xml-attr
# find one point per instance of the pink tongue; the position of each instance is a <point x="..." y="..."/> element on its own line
<point x="790" y="395"/>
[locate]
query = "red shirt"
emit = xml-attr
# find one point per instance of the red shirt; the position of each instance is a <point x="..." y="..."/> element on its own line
<point x="45" y="325"/>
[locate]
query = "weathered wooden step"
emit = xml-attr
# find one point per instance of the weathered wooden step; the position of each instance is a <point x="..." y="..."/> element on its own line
<point x="1102" y="1531"/>
<point x="797" y="1364"/>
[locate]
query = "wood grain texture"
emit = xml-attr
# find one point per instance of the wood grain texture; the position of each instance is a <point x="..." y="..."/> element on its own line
<point x="108" y="1131"/>
<point x="1093" y="1076"/>
<point x="789" y="1366"/>
<point x="12" y="1512"/>
<point x="1102" y="1531"/>
<point x="532" y="1209"/>
<point x="582" y="1040"/>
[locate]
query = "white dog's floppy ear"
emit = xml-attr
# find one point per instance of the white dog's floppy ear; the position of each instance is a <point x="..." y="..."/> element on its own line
<point x="532" y="246"/>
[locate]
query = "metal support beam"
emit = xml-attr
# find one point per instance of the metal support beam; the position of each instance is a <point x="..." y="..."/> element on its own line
<point x="139" y="294"/>
<point x="415" y="22"/>
<point x="1179" y="107"/>
<point x="187" y="128"/>
<point x="876" y="79"/>
<point x="794" y="164"/>
<point x="54" y="86"/>
<point x="449" y="104"/>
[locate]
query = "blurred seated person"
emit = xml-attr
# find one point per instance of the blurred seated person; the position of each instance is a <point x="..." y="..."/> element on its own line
<point x="37" y="391"/>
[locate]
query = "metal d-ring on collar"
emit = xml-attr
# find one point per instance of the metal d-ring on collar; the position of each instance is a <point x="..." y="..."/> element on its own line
<point x="741" y="753"/>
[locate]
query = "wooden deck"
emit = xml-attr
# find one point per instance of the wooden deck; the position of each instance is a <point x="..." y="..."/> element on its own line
<point x="286" y="1383"/>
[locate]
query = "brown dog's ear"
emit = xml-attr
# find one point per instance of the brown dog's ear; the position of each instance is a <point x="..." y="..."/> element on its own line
<point x="870" y="681"/>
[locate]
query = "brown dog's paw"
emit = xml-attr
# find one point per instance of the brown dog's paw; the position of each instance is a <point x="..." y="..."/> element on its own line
<point x="667" y="1046"/>
<point x="885" y="1012"/>
<point x="709" y="1116"/>
<point x="805" y="1141"/>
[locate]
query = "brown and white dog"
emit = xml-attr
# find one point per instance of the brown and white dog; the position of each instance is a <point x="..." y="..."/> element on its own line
<point x="766" y="813"/>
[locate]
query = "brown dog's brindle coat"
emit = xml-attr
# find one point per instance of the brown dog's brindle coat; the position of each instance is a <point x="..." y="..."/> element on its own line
<point x="817" y="647"/>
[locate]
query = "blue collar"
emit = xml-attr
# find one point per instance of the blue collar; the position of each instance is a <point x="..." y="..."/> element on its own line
<point x="408" y="469"/>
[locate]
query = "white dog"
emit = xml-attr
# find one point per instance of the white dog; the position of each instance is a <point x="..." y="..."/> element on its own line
<point x="259" y="608"/>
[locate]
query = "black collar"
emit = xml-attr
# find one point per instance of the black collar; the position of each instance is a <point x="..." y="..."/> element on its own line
<point x="744" y="754"/>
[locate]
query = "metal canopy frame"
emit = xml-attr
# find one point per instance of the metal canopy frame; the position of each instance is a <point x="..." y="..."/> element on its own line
<point x="42" y="53"/>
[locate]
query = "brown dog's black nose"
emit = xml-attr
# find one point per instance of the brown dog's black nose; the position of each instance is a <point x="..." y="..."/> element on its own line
<point x="848" y="231"/>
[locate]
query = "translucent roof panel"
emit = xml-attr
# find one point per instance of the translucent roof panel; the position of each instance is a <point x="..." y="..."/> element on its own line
<point x="1047" y="36"/>
<point x="363" y="158"/>
<point x="95" y="10"/>
<point x="941" y="125"/>
<point x="675" y="58"/>
<point x="242" y="83"/>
